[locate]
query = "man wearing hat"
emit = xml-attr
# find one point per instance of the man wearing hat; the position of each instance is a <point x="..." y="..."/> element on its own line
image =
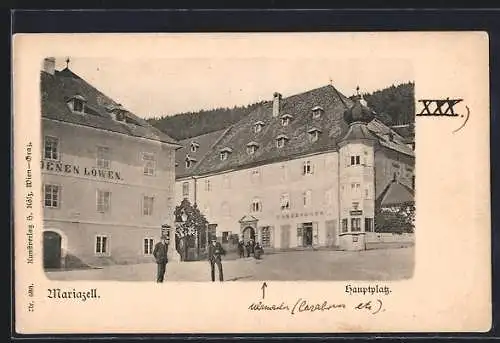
<point x="215" y="252"/>
<point x="160" y="253"/>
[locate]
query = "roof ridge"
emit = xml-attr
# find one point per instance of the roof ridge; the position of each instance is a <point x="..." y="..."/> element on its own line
<point x="193" y="138"/>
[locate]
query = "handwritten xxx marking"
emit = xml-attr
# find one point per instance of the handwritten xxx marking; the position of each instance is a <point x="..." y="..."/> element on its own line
<point x="438" y="109"/>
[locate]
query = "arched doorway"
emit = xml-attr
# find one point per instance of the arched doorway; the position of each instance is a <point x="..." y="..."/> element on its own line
<point x="52" y="249"/>
<point x="248" y="234"/>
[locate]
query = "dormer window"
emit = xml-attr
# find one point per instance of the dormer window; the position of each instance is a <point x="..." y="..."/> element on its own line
<point x="314" y="134"/>
<point x="118" y="113"/>
<point x="252" y="147"/>
<point x="257" y="127"/>
<point x="224" y="153"/>
<point x="194" y="146"/>
<point x="77" y="103"/>
<point x="285" y="119"/>
<point x="317" y="111"/>
<point x="281" y="141"/>
<point x="190" y="161"/>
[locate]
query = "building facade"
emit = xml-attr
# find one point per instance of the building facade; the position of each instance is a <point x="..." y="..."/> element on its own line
<point x="108" y="176"/>
<point x="297" y="172"/>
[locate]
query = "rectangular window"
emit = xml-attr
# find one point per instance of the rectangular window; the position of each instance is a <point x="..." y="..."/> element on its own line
<point x="103" y="157"/>
<point x="355" y="224"/>
<point x="344" y="225"/>
<point x="51" y="196"/>
<point x="208" y="187"/>
<point x="285" y="201"/>
<point x="307" y="168"/>
<point x="266" y="237"/>
<point x="149" y="163"/>
<point x="148" y="246"/>
<point x="369" y="224"/>
<point x="101" y="245"/>
<point x="256" y="205"/>
<point x="355" y="160"/>
<point x="185" y="190"/>
<point x="51" y="148"/>
<point x="147" y="206"/>
<point x="103" y="201"/>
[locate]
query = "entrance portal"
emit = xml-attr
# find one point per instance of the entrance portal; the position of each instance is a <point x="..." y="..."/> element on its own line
<point x="51" y="249"/>
<point x="308" y="234"/>
<point x="248" y="234"/>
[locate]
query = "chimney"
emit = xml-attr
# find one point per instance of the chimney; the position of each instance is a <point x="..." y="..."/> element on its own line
<point x="276" y="104"/>
<point x="49" y="65"/>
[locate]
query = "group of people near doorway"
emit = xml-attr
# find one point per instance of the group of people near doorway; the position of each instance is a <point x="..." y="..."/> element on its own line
<point x="215" y="253"/>
<point x="250" y="248"/>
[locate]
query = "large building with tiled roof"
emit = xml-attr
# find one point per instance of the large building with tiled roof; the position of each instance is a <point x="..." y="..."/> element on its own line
<point x="298" y="171"/>
<point x="108" y="176"/>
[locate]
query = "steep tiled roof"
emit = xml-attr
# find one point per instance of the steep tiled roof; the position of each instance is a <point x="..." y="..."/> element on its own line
<point x="358" y="131"/>
<point x="204" y="142"/>
<point x="57" y="89"/>
<point x="383" y="133"/>
<point x="331" y="124"/>
<point x="394" y="194"/>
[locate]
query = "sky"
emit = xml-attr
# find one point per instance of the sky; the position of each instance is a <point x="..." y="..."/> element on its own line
<point x="157" y="86"/>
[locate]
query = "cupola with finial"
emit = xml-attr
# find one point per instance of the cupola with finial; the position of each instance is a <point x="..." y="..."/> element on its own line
<point x="359" y="112"/>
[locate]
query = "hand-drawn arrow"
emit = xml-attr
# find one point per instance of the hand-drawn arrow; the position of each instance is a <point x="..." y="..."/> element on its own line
<point x="264" y="285"/>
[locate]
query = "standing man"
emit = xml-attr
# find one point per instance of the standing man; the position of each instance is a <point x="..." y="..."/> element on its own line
<point x="160" y="253"/>
<point x="215" y="252"/>
<point x="241" y="248"/>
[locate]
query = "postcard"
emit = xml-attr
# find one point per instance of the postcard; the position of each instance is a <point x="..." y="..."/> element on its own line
<point x="252" y="183"/>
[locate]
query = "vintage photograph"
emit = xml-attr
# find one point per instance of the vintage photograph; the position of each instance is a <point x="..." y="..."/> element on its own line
<point x="213" y="170"/>
<point x="329" y="182"/>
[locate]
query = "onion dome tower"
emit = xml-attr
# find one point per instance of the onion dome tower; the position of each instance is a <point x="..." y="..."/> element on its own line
<point x="357" y="177"/>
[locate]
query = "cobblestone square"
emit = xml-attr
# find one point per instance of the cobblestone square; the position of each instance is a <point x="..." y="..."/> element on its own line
<point x="378" y="264"/>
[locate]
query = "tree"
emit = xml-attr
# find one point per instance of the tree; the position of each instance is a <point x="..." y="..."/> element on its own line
<point x="396" y="220"/>
<point x="187" y="229"/>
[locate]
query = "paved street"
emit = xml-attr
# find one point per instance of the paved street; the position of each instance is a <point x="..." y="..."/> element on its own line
<point x="380" y="264"/>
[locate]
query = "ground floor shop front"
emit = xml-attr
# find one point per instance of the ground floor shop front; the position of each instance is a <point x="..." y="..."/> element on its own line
<point x="78" y="244"/>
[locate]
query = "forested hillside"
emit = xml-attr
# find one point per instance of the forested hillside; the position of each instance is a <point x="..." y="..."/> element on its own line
<point x="190" y="124"/>
<point x="395" y="105"/>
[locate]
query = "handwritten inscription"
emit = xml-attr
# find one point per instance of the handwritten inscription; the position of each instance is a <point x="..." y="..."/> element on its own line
<point x="435" y="107"/>
<point x="372" y="307"/>
<point x="305" y="306"/>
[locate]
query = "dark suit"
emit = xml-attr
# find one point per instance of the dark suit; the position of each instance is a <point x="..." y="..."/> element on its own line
<point x="241" y="249"/>
<point x="214" y="256"/>
<point x="160" y="253"/>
